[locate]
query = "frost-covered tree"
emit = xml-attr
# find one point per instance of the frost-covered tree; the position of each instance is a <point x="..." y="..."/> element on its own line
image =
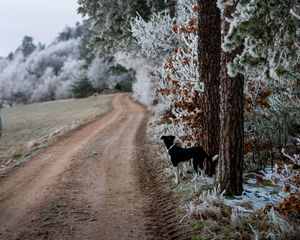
<point x="42" y="75"/>
<point x="176" y="79"/>
<point x="71" y="32"/>
<point x="86" y="50"/>
<point x="269" y="31"/>
<point x="27" y="46"/>
<point x="270" y="35"/>
<point x="111" y="19"/>
<point x="3" y="63"/>
<point x="69" y="73"/>
<point x="82" y="87"/>
<point x="154" y="36"/>
<point x="269" y="61"/>
<point x="54" y="56"/>
<point x="143" y="86"/>
<point x="98" y="73"/>
<point x="231" y="155"/>
<point x="14" y="81"/>
<point x="47" y="86"/>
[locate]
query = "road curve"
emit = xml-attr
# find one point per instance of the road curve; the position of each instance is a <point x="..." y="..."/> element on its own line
<point x="82" y="187"/>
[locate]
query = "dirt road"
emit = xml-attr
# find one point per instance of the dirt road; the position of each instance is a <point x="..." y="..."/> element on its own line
<point x="90" y="185"/>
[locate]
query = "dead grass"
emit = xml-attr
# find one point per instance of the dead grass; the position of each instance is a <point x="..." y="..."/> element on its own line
<point x="30" y="127"/>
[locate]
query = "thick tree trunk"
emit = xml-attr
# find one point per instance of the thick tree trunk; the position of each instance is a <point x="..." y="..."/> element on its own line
<point x="232" y="121"/>
<point x="209" y="57"/>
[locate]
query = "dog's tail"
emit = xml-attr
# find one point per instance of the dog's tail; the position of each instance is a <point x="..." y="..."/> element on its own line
<point x="211" y="163"/>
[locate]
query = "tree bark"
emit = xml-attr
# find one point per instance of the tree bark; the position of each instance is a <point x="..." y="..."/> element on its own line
<point x="209" y="57"/>
<point x="0" y="126"/>
<point x="231" y="156"/>
<point x="172" y="8"/>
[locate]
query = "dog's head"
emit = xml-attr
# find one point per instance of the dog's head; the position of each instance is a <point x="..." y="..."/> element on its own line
<point x="168" y="140"/>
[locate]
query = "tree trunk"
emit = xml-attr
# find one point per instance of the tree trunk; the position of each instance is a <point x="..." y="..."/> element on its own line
<point x="232" y="120"/>
<point x="1" y="126"/>
<point x="172" y="8"/>
<point x="209" y="57"/>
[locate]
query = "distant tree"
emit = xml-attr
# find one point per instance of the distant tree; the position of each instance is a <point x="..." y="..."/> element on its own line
<point x="118" y="87"/>
<point x="45" y="74"/>
<point x="27" y="46"/>
<point x="82" y="87"/>
<point x="78" y="31"/>
<point x="10" y="56"/>
<point x="71" y="32"/>
<point x="123" y="79"/>
<point x="86" y="47"/>
<point x="66" y="34"/>
<point x="97" y="72"/>
<point x="41" y="46"/>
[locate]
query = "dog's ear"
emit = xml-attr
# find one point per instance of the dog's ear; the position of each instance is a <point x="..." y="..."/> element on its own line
<point x="162" y="137"/>
<point x="172" y="137"/>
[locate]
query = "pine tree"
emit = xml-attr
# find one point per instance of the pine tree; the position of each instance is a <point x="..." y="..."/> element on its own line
<point x="111" y="20"/>
<point x="270" y="35"/>
<point x="229" y="175"/>
<point x="82" y="88"/>
<point x="209" y="55"/>
<point x="27" y="46"/>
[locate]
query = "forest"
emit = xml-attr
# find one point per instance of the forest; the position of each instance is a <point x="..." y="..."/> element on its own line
<point x="64" y="69"/>
<point x="221" y="74"/>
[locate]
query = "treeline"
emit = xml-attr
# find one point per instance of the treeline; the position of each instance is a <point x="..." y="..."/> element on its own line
<point x="66" y="68"/>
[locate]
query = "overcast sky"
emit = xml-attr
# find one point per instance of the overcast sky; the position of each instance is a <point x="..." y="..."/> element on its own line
<point x="40" y="19"/>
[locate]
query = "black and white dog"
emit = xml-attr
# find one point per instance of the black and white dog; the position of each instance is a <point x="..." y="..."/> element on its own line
<point x="179" y="154"/>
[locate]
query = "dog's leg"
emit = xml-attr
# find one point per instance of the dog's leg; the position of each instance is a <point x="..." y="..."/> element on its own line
<point x="180" y="171"/>
<point x="185" y="168"/>
<point x="196" y="164"/>
<point x="176" y="171"/>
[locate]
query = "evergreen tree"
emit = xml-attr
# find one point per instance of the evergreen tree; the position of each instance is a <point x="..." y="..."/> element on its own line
<point x="111" y="19"/>
<point x="82" y="88"/>
<point x="85" y="47"/>
<point x="270" y="35"/>
<point x="209" y="55"/>
<point x="66" y="34"/>
<point x="27" y="46"/>
<point x="230" y="165"/>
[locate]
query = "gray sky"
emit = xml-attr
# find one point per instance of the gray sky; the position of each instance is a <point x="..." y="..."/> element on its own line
<point x="40" y="19"/>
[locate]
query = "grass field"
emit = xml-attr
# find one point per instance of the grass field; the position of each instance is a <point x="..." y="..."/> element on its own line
<point x="31" y="127"/>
